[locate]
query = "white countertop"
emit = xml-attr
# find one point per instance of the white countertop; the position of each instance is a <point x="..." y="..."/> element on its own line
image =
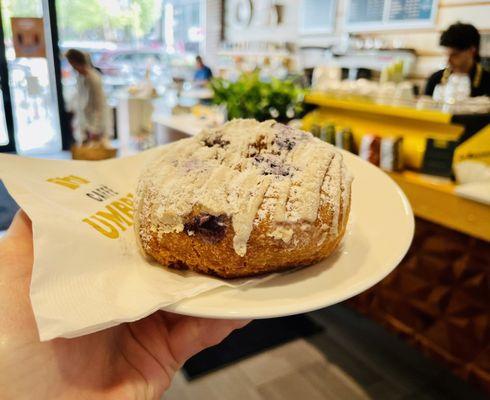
<point x="185" y="123"/>
<point x="198" y="93"/>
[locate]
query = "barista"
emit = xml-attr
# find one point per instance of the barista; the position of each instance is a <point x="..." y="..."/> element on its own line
<point x="462" y="47"/>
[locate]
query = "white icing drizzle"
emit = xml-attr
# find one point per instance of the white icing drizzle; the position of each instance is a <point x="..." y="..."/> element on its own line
<point x="248" y="171"/>
<point x="346" y="189"/>
<point x="331" y="190"/>
<point x="282" y="233"/>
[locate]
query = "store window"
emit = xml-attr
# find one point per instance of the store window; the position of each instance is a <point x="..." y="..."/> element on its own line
<point x="129" y="40"/>
<point x="184" y="30"/>
<point x="34" y="105"/>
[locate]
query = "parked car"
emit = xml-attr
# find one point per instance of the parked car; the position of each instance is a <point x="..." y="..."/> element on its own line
<point x="131" y="62"/>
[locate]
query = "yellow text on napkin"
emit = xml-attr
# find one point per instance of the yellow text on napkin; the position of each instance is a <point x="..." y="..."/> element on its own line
<point x="114" y="218"/>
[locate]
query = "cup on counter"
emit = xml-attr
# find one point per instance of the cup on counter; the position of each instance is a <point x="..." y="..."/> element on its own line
<point x="426" y="103"/>
<point x="458" y="88"/>
<point x="386" y="93"/>
<point x="404" y="91"/>
<point x="404" y="94"/>
<point x="439" y="93"/>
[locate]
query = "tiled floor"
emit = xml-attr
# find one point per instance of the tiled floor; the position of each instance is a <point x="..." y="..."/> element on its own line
<point x="352" y="359"/>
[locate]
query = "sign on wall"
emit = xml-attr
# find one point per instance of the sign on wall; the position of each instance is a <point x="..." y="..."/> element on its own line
<point x="258" y="13"/>
<point x="410" y="10"/>
<point x="28" y="37"/>
<point x="242" y="11"/>
<point x="389" y="14"/>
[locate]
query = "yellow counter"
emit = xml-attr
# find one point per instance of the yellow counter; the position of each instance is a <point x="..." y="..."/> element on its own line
<point x="437" y="202"/>
<point x="365" y="117"/>
<point x="371" y="107"/>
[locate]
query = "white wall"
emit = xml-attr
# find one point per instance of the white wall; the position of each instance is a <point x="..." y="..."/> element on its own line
<point x="287" y="32"/>
<point x="424" y="41"/>
<point x="212" y="26"/>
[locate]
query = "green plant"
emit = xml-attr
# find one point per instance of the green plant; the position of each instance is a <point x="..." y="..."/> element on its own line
<point x="249" y="97"/>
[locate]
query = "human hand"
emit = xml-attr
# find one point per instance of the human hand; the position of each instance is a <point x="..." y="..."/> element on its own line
<point x="134" y="360"/>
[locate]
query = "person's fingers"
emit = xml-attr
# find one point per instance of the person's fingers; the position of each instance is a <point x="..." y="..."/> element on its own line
<point x="190" y="335"/>
<point x="170" y="318"/>
<point x="20" y="227"/>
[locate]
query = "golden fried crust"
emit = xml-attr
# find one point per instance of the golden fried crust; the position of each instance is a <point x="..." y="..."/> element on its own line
<point x="243" y="199"/>
<point x="264" y="253"/>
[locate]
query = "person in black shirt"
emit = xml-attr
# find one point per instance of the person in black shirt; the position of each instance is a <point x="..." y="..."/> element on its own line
<point x="462" y="43"/>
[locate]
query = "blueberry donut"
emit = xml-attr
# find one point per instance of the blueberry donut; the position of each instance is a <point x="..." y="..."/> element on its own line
<point x="244" y="199"/>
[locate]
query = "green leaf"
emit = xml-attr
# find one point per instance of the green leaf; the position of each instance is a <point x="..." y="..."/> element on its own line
<point x="249" y="97"/>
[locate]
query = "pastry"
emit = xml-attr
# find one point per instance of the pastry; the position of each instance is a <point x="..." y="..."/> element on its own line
<point x="244" y="199"/>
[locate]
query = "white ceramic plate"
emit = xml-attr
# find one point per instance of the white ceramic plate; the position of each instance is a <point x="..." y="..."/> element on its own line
<point x="379" y="233"/>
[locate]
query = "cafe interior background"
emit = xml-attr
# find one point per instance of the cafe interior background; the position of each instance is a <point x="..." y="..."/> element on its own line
<point x="353" y="73"/>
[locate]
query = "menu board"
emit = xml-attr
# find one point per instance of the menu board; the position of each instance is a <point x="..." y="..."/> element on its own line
<point x="382" y="14"/>
<point x="401" y="10"/>
<point x="366" y="10"/>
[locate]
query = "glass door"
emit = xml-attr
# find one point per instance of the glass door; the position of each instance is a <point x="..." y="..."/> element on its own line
<point x="7" y="141"/>
<point x="4" y="134"/>
<point x="34" y="102"/>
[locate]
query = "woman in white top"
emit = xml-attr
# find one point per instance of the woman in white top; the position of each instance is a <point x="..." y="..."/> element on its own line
<point x="92" y="113"/>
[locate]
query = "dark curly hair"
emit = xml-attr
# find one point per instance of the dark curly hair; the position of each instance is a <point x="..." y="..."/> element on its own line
<point x="461" y="36"/>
